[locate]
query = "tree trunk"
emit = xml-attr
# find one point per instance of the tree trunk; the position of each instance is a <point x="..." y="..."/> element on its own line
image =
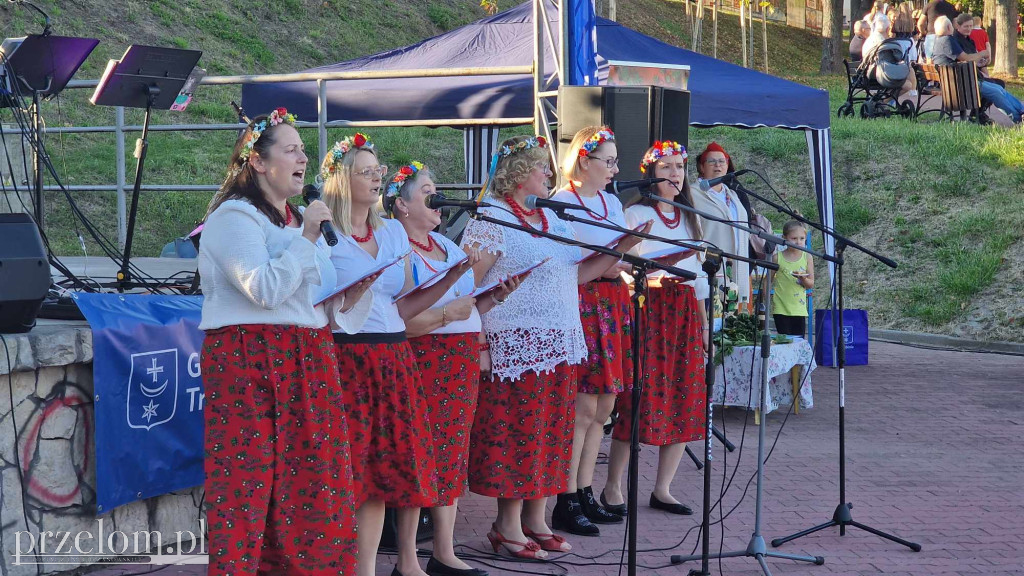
<point x="988" y="22"/>
<point x="1005" y="46"/>
<point x="764" y="26"/>
<point x="612" y="12"/>
<point x="743" y="31"/>
<point x="859" y="9"/>
<point x="831" y="36"/>
<point x="714" y="33"/>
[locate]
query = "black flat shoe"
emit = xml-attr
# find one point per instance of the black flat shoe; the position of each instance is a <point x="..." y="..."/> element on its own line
<point x="568" y="517"/>
<point x="594" y="511"/>
<point x="436" y="568"/>
<point x="617" y="509"/>
<point x="681" y="509"/>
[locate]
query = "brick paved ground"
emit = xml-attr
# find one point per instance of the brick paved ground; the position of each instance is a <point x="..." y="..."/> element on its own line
<point x="932" y="457"/>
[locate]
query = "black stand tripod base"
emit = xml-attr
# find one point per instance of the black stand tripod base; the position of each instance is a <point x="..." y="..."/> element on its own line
<point x="842" y="517"/>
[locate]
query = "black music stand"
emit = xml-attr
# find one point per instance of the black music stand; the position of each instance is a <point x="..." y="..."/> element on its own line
<point x="43" y="65"/>
<point x="145" y="77"/>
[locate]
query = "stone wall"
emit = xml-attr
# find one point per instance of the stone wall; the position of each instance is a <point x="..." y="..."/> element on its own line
<point x="47" y="453"/>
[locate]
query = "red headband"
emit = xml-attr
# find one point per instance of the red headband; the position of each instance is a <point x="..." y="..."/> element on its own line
<point x="713" y="147"/>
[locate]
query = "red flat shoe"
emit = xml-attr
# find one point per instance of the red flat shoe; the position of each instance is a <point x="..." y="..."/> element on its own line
<point x="550" y="542"/>
<point x="529" y="550"/>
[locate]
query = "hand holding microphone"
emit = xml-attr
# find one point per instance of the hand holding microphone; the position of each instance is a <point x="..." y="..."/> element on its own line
<point x="317" y="217"/>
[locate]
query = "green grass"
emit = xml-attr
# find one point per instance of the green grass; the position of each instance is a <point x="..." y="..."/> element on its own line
<point x="944" y="200"/>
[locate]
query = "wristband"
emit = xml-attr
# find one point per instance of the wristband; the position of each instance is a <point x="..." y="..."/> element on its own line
<point x="495" y="300"/>
<point x="485" y="346"/>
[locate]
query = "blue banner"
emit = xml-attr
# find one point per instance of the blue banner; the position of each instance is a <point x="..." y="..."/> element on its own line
<point x="148" y="394"/>
<point x="582" y="44"/>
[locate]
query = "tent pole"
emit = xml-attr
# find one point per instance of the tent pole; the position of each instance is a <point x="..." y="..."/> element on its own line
<point x="321" y="117"/>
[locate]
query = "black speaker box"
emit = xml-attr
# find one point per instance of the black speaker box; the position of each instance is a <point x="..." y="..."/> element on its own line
<point x="24" y="273"/>
<point x="638" y="115"/>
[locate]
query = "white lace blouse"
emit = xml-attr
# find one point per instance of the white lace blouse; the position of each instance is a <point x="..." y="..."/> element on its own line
<point x="538" y="326"/>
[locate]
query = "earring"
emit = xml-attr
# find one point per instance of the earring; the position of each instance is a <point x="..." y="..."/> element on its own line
<point x="519" y="186"/>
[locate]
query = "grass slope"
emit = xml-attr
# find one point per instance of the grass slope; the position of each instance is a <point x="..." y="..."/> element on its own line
<point x="945" y="200"/>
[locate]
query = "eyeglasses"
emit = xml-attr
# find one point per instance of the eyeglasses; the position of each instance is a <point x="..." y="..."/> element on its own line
<point x="371" y="172"/>
<point x="717" y="162"/>
<point x="609" y="162"/>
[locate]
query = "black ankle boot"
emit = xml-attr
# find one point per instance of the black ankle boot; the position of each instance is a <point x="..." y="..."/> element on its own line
<point x="594" y="511"/>
<point x="568" y="517"/>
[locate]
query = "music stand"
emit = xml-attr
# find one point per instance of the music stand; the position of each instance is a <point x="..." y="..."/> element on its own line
<point x="42" y="65"/>
<point x="145" y="77"/>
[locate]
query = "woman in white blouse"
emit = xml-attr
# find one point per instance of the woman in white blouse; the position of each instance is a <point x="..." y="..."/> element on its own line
<point x="521" y="445"/>
<point x="278" y="470"/>
<point x="392" y="452"/>
<point x="590" y="162"/>
<point x="673" y="399"/>
<point x="449" y="352"/>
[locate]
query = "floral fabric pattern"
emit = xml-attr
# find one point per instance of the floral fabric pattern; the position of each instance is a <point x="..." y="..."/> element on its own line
<point x="392" y="451"/>
<point x="521" y="444"/>
<point x="672" y="405"/>
<point x="737" y="372"/>
<point x="605" y="315"/>
<point x="278" y="473"/>
<point x="450" y="370"/>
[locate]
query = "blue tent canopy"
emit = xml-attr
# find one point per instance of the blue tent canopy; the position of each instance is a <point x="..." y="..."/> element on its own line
<point x="721" y="93"/>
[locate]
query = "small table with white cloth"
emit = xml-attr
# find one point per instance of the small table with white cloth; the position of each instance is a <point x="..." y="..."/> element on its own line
<point x="788" y="366"/>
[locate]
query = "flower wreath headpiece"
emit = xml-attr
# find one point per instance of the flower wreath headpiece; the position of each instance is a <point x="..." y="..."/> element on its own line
<point x="278" y="116"/>
<point x="596" y="140"/>
<point x="404" y="173"/>
<point x="338" y="151"/>
<point x="531" y="142"/>
<point x="661" y="150"/>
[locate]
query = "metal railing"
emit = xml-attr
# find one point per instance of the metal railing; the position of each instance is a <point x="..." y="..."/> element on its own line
<point x="322" y="124"/>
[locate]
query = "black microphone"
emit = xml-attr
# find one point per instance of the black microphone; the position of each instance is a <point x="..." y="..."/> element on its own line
<point x="437" y="201"/>
<point x="310" y="193"/>
<point x="706" y="185"/>
<point x="615" y="186"/>
<point x="533" y="202"/>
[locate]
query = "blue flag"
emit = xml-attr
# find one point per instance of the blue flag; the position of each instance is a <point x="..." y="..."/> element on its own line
<point x="148" y="394"/>
<point x="582" y="44"/>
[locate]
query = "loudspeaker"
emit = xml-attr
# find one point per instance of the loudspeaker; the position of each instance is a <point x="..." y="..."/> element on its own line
<point x="24" y="273"/>
<point x="638" y="115"/>
<point x="389" y="536"/>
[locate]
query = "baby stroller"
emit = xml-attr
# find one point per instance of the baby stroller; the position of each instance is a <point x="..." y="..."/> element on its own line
<point x="877" y="83"/>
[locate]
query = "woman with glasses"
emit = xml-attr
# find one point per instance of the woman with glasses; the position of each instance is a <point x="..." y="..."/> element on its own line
<point x="725" y="204"/>
<point x="521" y="444"/>
<point x="392" y="452"/>
<point x="673" y="399"/>
<point x="590" y="163"/>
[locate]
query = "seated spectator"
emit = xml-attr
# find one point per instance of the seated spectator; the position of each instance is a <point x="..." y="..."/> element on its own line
<point x="879" y="32"/>
<point x="946" y="50"/>
<point x="861" y="30"/>
<point x="877" y="8"/>
<point x="963" y="25"/>
<point x="902" y="31"/>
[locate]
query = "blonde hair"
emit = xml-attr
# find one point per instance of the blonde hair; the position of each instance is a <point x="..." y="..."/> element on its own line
<point x="515" y="168"/>
<point x="571" y="160"/>
<point x="338" y="191"/>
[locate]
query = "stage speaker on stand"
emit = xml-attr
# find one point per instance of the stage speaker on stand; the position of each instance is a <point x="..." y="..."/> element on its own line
<point x="24" y="273"/>
<point x="638" y="115"/>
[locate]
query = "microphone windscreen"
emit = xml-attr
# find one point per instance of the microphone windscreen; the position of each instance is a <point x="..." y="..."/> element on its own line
<point x="703" y="184"/>
<point x="531" y="202"/>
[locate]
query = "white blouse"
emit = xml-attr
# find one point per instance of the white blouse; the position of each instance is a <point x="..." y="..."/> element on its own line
<point x="254" y="272"/>
<point x="638" y="214"/>
<point x="538" y="326"/>
<point x="464" y="287"/>
<point x="593" y="234"/>
<point x="352" y="262"/>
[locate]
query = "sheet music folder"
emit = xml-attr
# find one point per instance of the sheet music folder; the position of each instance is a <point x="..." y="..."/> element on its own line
<point x="45" y="64"/>
<point x="145" y="77"/>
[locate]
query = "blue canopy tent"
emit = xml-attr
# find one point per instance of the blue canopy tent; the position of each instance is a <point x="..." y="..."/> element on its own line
<point x="722" y="94"/>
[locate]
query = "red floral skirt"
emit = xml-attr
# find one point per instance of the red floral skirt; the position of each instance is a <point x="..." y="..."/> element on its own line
<point x="450" y="370"/>
<point x="673" y="401"/>
<point x="605" y="314"/>
<point x="521" y="445"/>
<point x="392" y="452"/>
<point x="278" y="472"/>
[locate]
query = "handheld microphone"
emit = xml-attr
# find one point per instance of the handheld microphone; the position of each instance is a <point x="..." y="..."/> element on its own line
<point x="706" y="185"/>
<point x="311" y="192"/>
<point x="615" y="186"/>
<point x="533" y="202"/>
<point x="437" y="201"/>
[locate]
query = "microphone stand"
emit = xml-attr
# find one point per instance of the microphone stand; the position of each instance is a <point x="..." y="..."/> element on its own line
<point x="711" y="265"/>
<point x="640" y="269"/>
<point x="841" y="516"/>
